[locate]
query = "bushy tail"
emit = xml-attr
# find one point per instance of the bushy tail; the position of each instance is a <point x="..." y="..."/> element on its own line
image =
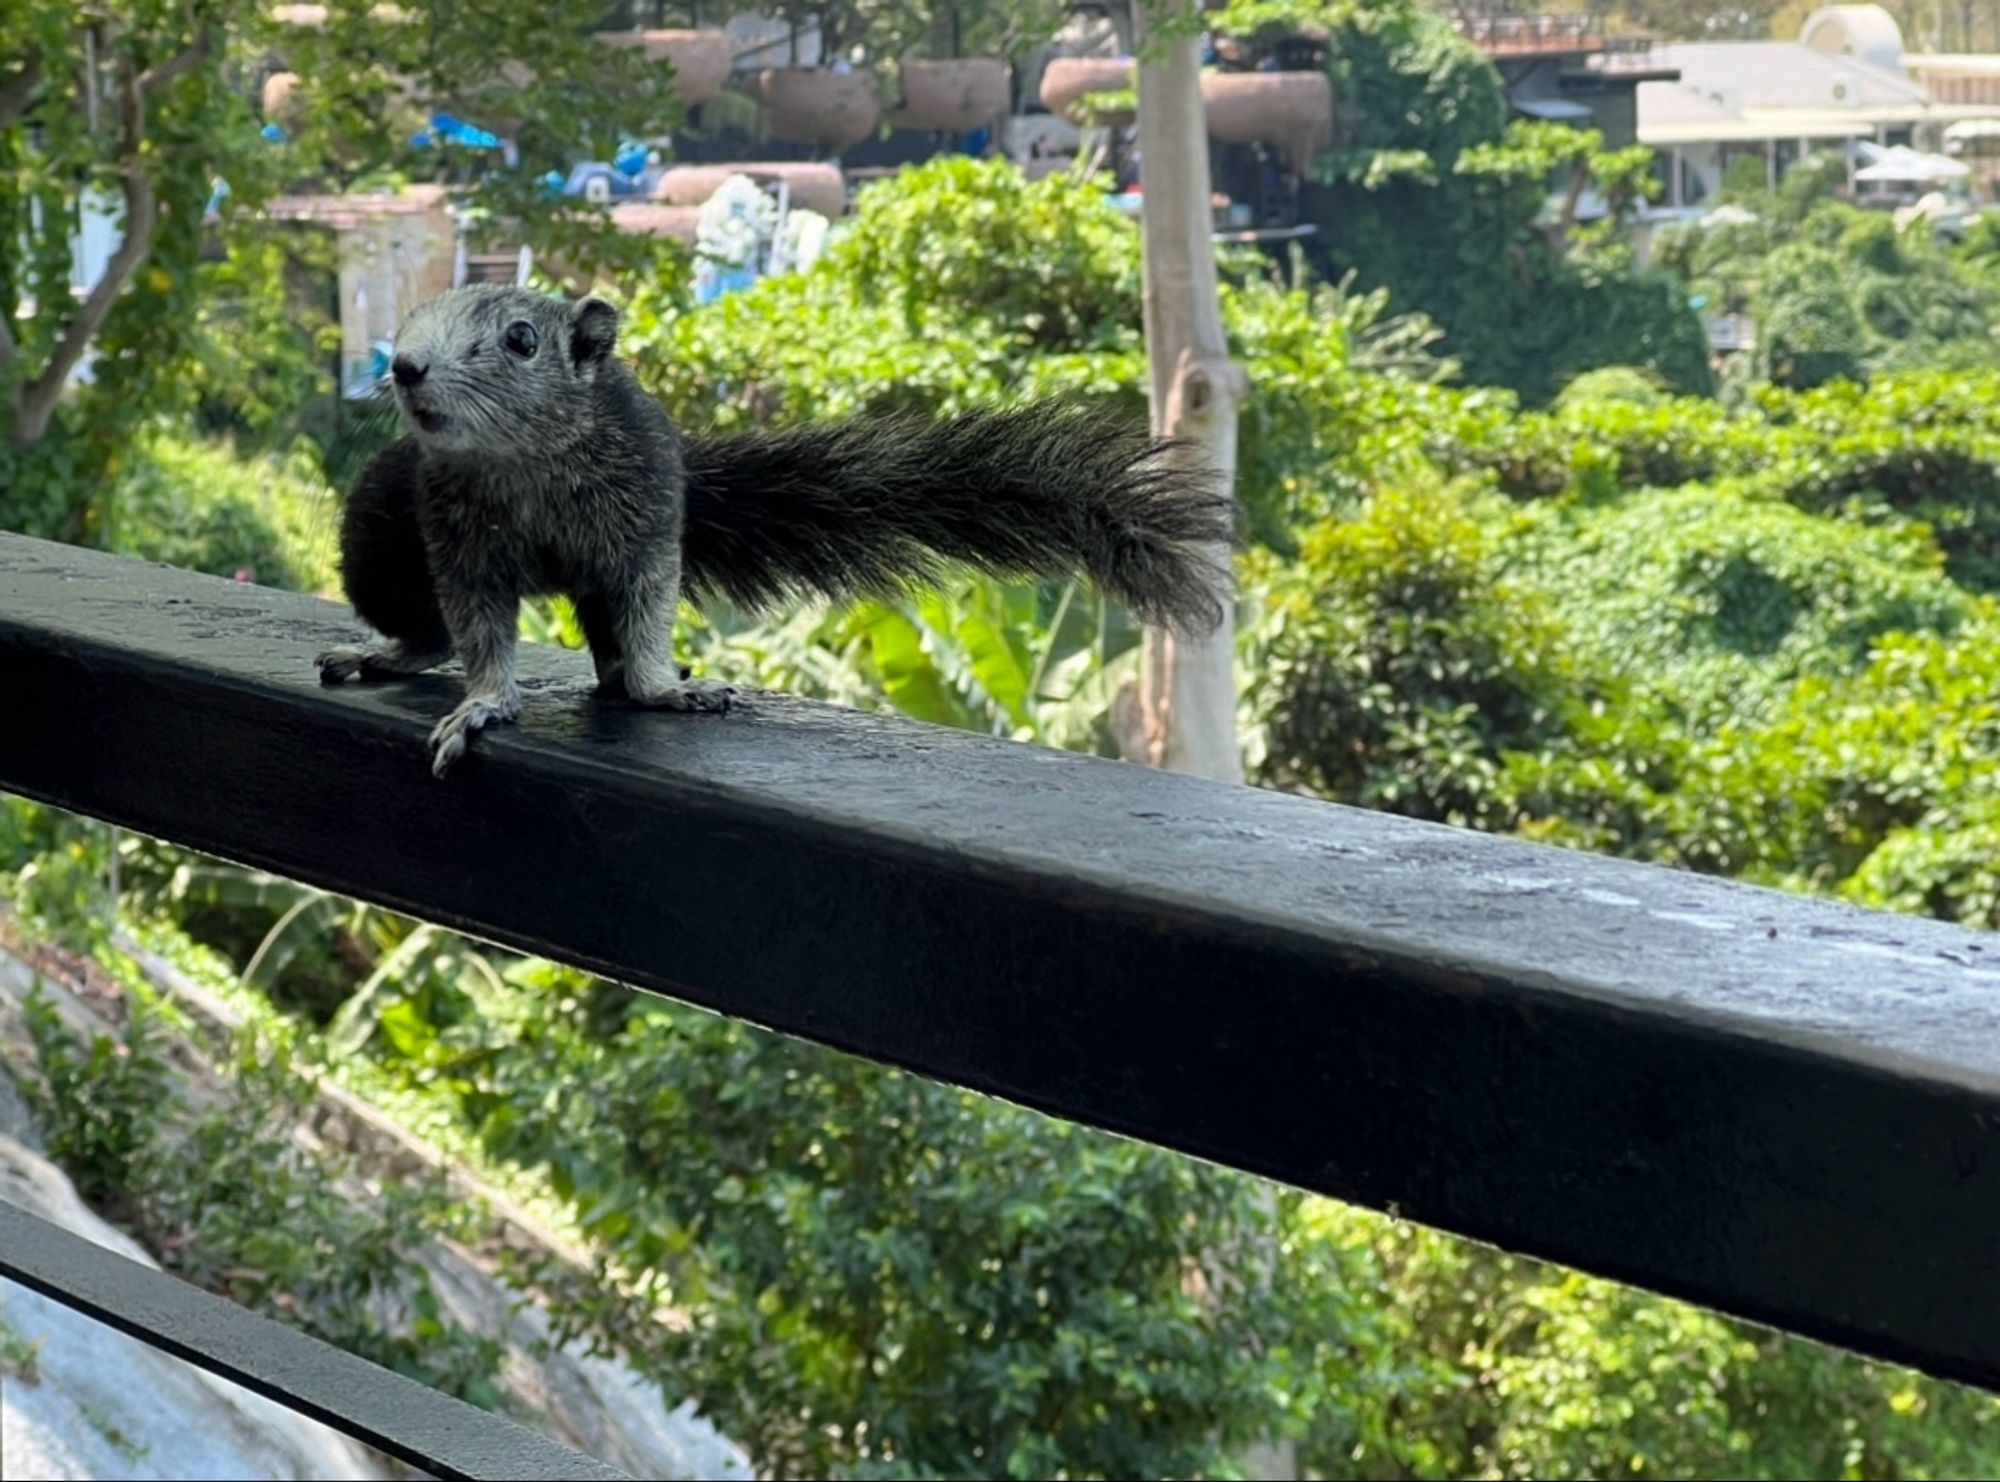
<point x="877" y="505"/>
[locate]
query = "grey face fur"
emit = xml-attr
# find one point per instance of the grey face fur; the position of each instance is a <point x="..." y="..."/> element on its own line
<point x="502" y="372"/>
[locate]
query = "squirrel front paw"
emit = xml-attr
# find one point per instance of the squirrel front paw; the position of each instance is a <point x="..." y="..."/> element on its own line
<point x="452" y="734"/>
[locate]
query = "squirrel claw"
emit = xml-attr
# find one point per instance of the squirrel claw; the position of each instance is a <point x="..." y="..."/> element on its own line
<point x="337" y="665"/>
<point x="451" y="735"/>
<point x="691" y="695"/>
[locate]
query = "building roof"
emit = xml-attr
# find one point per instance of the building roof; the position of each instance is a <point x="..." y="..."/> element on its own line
<point x="1737" y="91"/>
<point x="1954" y="64"/>
<point x="1789" y="74"/>
<point x="345" y="213"/>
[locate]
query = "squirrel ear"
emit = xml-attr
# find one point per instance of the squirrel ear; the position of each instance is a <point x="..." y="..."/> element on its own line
<point x="593" y="330"/>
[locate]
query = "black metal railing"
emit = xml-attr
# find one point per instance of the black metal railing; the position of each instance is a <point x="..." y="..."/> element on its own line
<point x="407" y="1420"/>
<point x="1622" y="54"/>
<point x="1778" y="1107"/>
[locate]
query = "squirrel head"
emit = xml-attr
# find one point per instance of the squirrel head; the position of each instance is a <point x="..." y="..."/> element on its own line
<point x="501" y="371"/>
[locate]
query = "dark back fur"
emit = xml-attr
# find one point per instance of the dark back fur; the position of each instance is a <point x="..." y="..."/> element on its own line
<point x="383" y="567"/>
<point x="876" y="506"/>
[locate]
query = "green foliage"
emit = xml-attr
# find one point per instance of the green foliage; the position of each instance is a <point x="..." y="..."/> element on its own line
<point x="1309" y="438"/>
<point x="1920" y="447"/>
<point x="1942" y="863"/>
<point x="1838" y="292"/>
<point x="1611" y="383"/>
<point x="1055" y="261"/>
<point x="230" y="1198"/>
<point x="1740" y="595"/>
<point x="1394" y="668"/>
<point x="1433" y="195"/>
<point x="1031" y="664"/>
<point x="213" y="320"/>
<point x="20" y="1356"/>
<point x="1508" y="1368"/>
<point x="195" y="504"/>
<point x="1808" y="328"/>
<point x="97" y="1101"/>
<point x="890" y="1278"/>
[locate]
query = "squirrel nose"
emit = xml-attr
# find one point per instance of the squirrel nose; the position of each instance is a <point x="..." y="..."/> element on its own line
<point x="406" y="371"/>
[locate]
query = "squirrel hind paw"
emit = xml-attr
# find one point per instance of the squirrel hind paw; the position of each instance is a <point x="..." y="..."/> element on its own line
<point x="392" y="660"/>
<point x="686" y="694"/>
<point x="337" y="665"/>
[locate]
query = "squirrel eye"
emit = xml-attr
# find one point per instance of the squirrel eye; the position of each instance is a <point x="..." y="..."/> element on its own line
<point x="520" y="338"/>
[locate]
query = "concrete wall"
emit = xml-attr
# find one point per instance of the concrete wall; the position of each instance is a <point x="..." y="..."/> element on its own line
<point x="388" y="265"/>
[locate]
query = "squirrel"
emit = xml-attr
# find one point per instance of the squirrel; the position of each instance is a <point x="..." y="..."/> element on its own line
<point x="533" y="462"/>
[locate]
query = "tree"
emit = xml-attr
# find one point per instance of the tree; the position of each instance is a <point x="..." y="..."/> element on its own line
<point x="1182" y="712"/>
<point x="1428" y="177"/>
<point x="134" y="109"/>
<point x="140" y="70"/>
<point x="1534" y="155"/>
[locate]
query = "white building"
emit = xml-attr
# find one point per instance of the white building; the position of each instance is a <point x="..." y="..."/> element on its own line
<point x="1845" y="78"/>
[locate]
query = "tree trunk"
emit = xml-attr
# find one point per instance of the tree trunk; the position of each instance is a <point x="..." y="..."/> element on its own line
<point x="34" y="398"/>
<point x="1182" y="713"/>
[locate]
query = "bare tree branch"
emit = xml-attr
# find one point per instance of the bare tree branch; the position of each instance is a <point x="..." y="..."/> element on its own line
<point x="15" y="94"/>
<point x="1579" y="182"/>
<point x="155" y="78"/>
<point x="38" y="397"/>
<point x="8" y="350"/>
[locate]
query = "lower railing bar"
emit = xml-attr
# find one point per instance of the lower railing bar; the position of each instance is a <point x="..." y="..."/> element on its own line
<point x="415" y="1424"/>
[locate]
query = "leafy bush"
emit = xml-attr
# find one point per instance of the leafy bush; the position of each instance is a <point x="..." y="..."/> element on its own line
<point x="198" y="505"/>
<point x="1612" y="383"/>
<point x="1433" y="196"/>
<point x="230" y="1199"/>
<point x="97" y="1103"/>
<point x="1393" y="667"/>
<point x="1509" y="1368"/>
<point x="1839" y="292"/>
<point x="889" y="1277"/>
<point x="959" y="239"/>
<point x="1725" y="599"/>
<point x="1809" y="330"/>
<point x="1918" y="446"/>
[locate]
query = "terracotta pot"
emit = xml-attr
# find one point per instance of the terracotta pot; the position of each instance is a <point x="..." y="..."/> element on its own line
<point x="955" y="97"/>
<point x="1067" y="81"/>
<point x="812" y="105"/>
<point x="701" y="59"/>
<point x="681" y="223"/>
<point x="315" y="15"/>
<point x="814" y="187"/>
<point x="1293" y="110"/>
